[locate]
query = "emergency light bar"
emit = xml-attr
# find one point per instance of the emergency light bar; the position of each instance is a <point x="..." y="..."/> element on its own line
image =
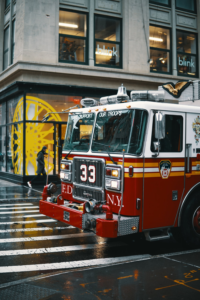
<point x="120" y="97"/>
<point x="157" y="96"/>
<point x="88" y="102"/>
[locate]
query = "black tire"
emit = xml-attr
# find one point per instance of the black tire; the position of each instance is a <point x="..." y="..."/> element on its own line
<point x="188" y="232"/>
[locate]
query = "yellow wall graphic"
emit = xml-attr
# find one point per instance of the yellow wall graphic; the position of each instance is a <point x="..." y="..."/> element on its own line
<point x="37" y="134"/>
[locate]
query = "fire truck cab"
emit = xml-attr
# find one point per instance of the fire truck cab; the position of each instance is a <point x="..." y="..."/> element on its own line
<point x="131" y="165"/>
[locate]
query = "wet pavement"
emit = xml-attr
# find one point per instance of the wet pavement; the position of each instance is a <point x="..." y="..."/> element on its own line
<point x="41" y="258"/>
<point x="18" y="192"/>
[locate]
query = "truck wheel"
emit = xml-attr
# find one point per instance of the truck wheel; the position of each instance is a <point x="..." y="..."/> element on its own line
<point x="190" y="222"/>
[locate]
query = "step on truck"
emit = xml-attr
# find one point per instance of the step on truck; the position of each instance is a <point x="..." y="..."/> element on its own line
<point x="131" y="164"/>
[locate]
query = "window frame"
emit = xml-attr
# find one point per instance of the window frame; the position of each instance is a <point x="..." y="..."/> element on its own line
<point x="189" y="54"/>
<point x="166" y="50"/>
<point x="111" y="42"/>
<point x="7" y="3"/>
<point x="160" y="4"/>
<point x="187" y="10"/>
<point x="182" y="134"/>
<point x="75" y="37"/>
<point x="13" y="41"/>
<point x="7" y="50"/>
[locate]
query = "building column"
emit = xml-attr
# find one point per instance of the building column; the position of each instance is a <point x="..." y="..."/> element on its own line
<point x="91" y="33"/>
<point x="174" y="46"/>
<point x="2" y="8"/>
<point x="10" y="33"/>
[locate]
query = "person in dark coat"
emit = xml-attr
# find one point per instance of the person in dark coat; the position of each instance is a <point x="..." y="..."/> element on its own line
<point x="40" y="166"/>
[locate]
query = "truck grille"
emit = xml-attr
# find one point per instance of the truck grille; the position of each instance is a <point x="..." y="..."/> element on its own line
<point x="99" y="172"/>
<point x="82" y="193"/>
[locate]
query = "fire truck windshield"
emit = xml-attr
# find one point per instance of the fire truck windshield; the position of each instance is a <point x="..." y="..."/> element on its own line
<point x="79" y="130"/>
<point x="120" y="129"/>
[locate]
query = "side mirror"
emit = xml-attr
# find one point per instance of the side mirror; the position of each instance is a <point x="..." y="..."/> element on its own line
<point x="159" y="126"/>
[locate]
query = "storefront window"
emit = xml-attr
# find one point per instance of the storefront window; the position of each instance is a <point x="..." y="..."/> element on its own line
<point x="3" y="148"/>
<point x="37" y="105"/>
<point x="187" y="5"/>
<point x="15" y="149"/>
<point x="187" y="53"/>
<point x="160" y="50"/>
<point x="15" y="110"/>
<point x="72" y="37"/>
<point x="37" y="136"/>
<point x="161" y="2"/>
<point x="3" y="113"/>
<point x="108" y="42"/>
<point x="6" y="48"/>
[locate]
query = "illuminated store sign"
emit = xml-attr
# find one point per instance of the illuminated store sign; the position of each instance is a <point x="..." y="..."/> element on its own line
<point x="105" y="51"/>
<point x="185" y="63"/>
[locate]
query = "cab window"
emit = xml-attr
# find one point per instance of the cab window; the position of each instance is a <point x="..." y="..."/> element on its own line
<point x="173" y="141"/>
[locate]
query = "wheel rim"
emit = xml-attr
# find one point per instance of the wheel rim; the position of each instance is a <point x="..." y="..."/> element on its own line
<point x="196" y="221"/>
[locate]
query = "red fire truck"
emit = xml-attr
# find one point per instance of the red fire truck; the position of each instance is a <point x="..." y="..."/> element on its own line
<point x="130" y="165"/>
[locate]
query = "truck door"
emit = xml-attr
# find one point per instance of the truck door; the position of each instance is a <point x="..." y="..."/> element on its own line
<point x="164" y="173"/>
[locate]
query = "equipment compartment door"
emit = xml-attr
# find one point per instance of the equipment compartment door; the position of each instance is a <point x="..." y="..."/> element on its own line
<point x="164" y="174"/>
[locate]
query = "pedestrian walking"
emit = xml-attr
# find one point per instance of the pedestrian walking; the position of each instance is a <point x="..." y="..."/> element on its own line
<point x="40" y="166"/>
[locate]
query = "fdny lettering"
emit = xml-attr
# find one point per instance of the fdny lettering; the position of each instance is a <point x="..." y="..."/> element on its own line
<point x="67" y="189"/>
<point x="114" y="200"/>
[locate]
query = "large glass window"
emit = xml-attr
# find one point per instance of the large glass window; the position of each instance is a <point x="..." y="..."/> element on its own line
<point x="161" y="2"/>
<point x="108" y="42"/>
<point x="118" y="130"/>
<point x="15" y="148"/>
<point x="3" y="113"/>
<point x="37" y="136"/>
<point x="13" y="42"/>
<point x="187" y="53"/>
<point x="3" y="148"/>
<point x="73" y="37"/>
<point x="187" y="5"/>
<point x="6" y="48"/>
<point x="160" y="49"/>
<point x="15" y="110"/>
<point x="37" y="105"/>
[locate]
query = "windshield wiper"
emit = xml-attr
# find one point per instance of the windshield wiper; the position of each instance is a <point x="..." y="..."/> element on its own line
<point x="105" y="147"/>
<point x="73" y="147"/>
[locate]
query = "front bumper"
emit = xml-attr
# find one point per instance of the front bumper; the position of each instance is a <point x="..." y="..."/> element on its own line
<point x="104" y="228"/>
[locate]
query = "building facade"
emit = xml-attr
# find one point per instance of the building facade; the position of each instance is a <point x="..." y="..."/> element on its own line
<point x="54" y="52"/>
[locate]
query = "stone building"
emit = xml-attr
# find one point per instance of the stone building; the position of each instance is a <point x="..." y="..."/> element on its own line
<point x="54" y="52"/>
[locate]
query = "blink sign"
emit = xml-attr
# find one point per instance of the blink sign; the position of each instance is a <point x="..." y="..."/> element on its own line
<point x="185" y="63"/>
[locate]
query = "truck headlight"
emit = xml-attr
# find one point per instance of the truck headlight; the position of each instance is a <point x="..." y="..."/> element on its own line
<point x="66" y="170"/>
<point x="113" y="184"/>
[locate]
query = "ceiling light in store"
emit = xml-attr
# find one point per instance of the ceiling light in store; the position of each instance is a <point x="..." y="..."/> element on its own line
<point x="193" y="74"/>
<point x="151" y="61"/>
<point x="180" y="71"/>
<point x="190" y="38"/>
<point x="163" y="61"/>
<point x="155" y="39"/>
<point x="68" y="25"/>
<point x="154" y="69"/>
<point x="161" y="58"/>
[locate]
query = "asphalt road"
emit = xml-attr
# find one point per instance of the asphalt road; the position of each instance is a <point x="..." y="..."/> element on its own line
<point x="48" y="259"/>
